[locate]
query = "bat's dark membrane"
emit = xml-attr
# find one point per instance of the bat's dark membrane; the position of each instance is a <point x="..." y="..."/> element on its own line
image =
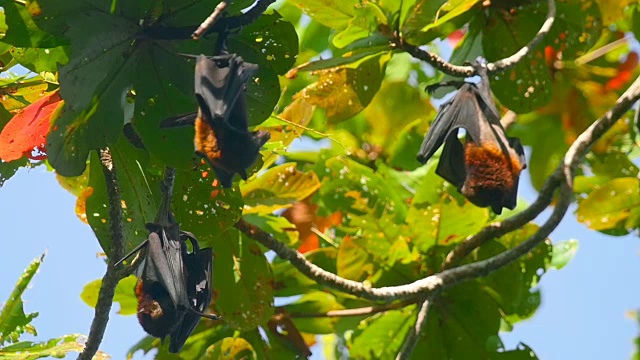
<point x="486" y="166"/>
<point x="174" y="285"/>
<point x="221" y="123"/>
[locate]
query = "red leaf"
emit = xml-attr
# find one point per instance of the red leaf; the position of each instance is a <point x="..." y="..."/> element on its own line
<point x="28" y="129"/>
<point x="625" y="73"/>
<point x="455" y="37"/>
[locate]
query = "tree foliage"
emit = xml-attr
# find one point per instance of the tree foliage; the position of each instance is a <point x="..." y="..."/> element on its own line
<point x="351" y="195"/>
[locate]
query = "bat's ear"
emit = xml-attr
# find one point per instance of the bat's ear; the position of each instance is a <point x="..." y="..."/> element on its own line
<point x="243" y="174"/>
<point x="516" y="145"/>
<point x="497" y="209"/>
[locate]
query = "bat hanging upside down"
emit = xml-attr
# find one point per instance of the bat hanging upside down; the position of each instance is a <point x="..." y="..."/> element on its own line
<point x="222" y="137"/>
<point x="486" y="166"/>
<point x="174" y="285"/>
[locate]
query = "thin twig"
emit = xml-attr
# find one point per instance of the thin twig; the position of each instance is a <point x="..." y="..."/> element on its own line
<point x="208" y="22"/>
<point x="562" y="177"/>
<point x="412" y="338"/>
<point x="113" y="274"/>
<point x="494" y="67"/>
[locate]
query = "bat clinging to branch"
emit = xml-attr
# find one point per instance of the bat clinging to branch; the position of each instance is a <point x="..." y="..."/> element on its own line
<point x="174" y="286"/>
<point x="222" y="136"/>
<point x="486" y="166"/>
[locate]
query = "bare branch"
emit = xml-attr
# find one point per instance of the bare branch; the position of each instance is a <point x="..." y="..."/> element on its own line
<point x="112" y="275"/>
<point x="412" y="338"/>
<point x="495" y="67"/>
<point x="208" y="22"/>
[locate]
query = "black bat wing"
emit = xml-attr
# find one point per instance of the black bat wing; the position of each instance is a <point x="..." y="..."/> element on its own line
<point x="459" y="112"/>
<point x="199" y="270"/>
<point x="219" y="82"/>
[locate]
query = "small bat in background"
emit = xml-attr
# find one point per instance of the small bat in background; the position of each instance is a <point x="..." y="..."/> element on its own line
<point x="486" y="167"/>
<point x="174" y="286"/>
<point x="222" y="137"/>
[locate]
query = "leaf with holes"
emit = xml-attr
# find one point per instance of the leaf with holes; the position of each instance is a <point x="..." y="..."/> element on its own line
<point x="278" y="188"/>
<point x="243" y="281"/>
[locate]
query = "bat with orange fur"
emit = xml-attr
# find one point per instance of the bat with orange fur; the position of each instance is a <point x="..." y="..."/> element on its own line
<point x="174" y="285"/>
<point x="485" y="167"/>
<point x="221" y="123"/>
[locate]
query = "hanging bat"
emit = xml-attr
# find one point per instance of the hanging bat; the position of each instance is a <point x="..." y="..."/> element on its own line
<point x="221" y="134"/>
<point x="486" y="167"/>
<point x="174" y="286"/>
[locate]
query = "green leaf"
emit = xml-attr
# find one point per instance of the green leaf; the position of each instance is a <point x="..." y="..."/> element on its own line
<point x="381" y="336"/>
<point x="343" y="92"/>
<point x="57" y="348"/>
<point x="526" y="86"/>
<point x="278" y="188"/>
<point x="563" y="252"/>
<point x="349" y="59"/>
<point x="94" y="85"/>
<point x="243" y="281"/>
<point x="612" y="206"/>
<point x="22" y="31"/>
<point x="445" y="223"/>
<point x="231" y="349"/>
<point x="13" y="321"/>
<point x="316" y="302"/>
<point x="429" y="20"/>
<point x="463" y="322"/>
<point x="354" y="188"/>
<point x="511" y="286"/>
<point x="335" y="14"/>
<point x="39" y="60"/>
<point x="278" y="226"/>
<point x="124" y="294"/>
<point x="367" y="17"/>
<point x="288" y="281"/>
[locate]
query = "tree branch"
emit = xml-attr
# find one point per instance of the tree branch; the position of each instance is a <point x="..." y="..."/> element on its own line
<point x="112" y="275"/>
<point x="412" y="338"/>
<point x="221" y="25"/>
<point x="367" y="310"/>
<point x="495" y="67"/>
<point x="562" y="177"/>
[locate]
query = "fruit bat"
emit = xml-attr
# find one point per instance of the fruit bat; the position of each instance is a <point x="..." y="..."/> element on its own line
<point x="174" y="285"/>
<point x="221" y="134"/>
<point x="486" y="166"/>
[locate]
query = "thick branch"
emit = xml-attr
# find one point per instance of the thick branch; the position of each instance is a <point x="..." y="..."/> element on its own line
<point x="494" y="67"/>
<point x="221" y="25"/>
<point x="412" y="338"/>
<point x="447" y="278"/>
<point x="112" y="275"/>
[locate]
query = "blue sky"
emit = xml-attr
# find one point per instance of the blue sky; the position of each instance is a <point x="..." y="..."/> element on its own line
<point x="583" y="313"/>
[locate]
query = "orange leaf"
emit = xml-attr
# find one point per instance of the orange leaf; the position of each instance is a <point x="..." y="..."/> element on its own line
<point x="28" y="129"/>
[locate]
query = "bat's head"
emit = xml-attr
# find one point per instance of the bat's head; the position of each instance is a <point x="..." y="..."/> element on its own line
<point x="157" y="313"/>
